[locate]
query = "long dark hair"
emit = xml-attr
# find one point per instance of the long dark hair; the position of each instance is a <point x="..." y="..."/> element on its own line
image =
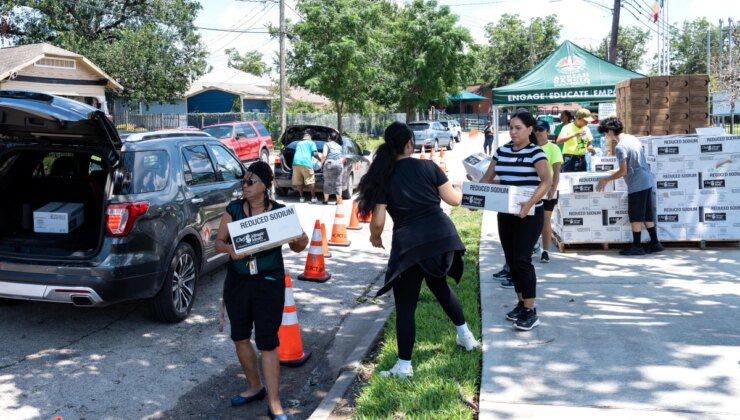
<point x="396" y="136"/>
<point x="528" y="120"/>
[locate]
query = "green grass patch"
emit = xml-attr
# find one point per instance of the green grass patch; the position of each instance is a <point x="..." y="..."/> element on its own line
<point x="446" y="377"/>
<point x="366" y="141"/>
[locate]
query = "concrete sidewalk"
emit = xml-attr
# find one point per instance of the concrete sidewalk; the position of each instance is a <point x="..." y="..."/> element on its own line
<point x="620" y="337"/>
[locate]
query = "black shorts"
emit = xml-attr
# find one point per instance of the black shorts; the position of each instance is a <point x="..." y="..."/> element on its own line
<point x="549" y="205"/>
<point x="258" y="302"/>
<point x="640" y="206"/>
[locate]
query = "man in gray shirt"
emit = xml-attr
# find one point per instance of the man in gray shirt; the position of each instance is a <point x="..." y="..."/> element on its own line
<point x="634" y="168"/>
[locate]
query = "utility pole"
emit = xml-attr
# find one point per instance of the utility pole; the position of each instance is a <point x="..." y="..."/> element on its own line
<point x="606" y="49"/>
<point x="282" y="68"/>
<point x="531" y="46"/>
<point x="615" y="31"/>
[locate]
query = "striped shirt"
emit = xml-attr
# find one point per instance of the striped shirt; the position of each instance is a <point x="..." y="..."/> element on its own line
<point x="516" y="167"/>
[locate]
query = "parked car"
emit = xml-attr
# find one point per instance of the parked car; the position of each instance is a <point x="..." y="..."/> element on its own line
<point x="151" y="207"/>
<point x="355" y="161"/>
<point x="250" y="140"/>
<point x="431" y="134"/>
<point x="455" y="129"/>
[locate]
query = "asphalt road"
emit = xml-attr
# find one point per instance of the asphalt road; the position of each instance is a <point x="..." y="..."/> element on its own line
<point x="115" y="362"/>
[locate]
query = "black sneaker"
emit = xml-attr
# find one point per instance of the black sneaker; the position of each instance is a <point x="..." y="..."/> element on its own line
<point x="652" y="248"/>
<point x="513" y="314"/>
<point x="545" y="257"/>
<point x="527" y="320"/>
<point x="503" y="274"/>
<point x="507" y="283"/>
<point x="632" y="250"/>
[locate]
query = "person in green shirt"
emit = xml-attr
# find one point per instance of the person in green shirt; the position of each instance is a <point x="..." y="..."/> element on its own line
<point x="576" y="139"/>
<point x="566" y="117"/>
<point x="555" y="160"/>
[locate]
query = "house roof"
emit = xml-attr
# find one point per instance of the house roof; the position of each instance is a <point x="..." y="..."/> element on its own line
<point x="465" y="96"/>
<point x="18" y="57"/>
<point x="300" y="94"/>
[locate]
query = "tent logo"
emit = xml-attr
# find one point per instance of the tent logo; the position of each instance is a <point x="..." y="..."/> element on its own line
<point x="570" y="64"/>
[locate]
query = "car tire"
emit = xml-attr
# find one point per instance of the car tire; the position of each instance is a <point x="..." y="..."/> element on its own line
<point x="175" y="299"/>
<point x="281" y="192"/>
<point x="451" y="144"/>
<point x="350" y="190"/>
<point x="458" y="138"/>
<point x="265" y="156"/>
<point x="436" y="144"/>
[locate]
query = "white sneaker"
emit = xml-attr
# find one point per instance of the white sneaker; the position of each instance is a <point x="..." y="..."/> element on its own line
<point x="302" y="199"/>
<point x="314" y="200"/>
<point x="397" y="372"/>
<point x="467" y="341"/>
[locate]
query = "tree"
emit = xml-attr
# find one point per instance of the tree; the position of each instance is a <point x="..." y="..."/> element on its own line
<point x="149" y="47"/>
<point x="251" y="62"/>
<point x="426" y="58"/>
<point x="507" y="55"/>
<point x="631" y="47"/>
<point x="689" y="46"/>
<point x="332" y="52"/>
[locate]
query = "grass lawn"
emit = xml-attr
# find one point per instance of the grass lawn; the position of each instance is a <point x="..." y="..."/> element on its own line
<point x="446" y="377"/>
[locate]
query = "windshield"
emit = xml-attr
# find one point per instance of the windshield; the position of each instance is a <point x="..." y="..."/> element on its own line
<point x="444" y="123"/>
<point x="220" y="132"/>
<point x="419" y="126"/>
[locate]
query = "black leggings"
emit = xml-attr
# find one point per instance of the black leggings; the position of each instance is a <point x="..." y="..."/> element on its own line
<point x="406" y="290"/>
<point x="518" y="237"/>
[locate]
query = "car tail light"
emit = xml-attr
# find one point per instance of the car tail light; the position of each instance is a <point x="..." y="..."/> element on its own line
<point x="277" y="160"/>
<point x="121" y="217"/>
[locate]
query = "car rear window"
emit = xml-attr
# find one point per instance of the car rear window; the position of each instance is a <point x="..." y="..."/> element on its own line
<point x="220" y="132"/>
<point x="419" y="126"/>
<point x="144" y="171"/>
<point x="262" y="129"/>
<point x="444" y="123"/>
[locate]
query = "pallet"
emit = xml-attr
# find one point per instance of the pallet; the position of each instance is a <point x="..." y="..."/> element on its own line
<point x="618" y="246"/>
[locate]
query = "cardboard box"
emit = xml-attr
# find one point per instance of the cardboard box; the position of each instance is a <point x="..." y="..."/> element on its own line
<point x="659" y="83"/>
<point x="719" y="144"/>
<point x="674" y="145"/>
<point x="620" y="185"/>
<point x="698" y="81"/>
<point x="678" y="83"/>
<point x="674" y="198"/>
<point x="720" y="231"/>
<point x="719" y="196"/>
<point x="264" y="231"/>
<point x="698" y="99"/>
<point x="637" y="84"/>
<point x="727" y="213"/>
<point x="719" y="180"/>
<point x="604" y="163"/>
<point x="682" y="181"/>
<point x="58" y="217"/>
<point x="678" y="214"/>
<point x="495" y="197"/>
<point x="680" y="232"/>
<point x="582" y="182"/>
<point x="597" y="200"/>
<point x="659" y="101"/>
<point x="476" y="165"/>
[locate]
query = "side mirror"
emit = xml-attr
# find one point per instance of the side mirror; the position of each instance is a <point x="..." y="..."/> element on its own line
<point x="366" y="153"/>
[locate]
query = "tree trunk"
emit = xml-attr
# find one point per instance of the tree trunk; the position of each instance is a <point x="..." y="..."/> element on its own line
<point x="410" y="114"/>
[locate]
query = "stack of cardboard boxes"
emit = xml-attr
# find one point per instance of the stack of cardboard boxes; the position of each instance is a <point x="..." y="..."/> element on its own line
<point x="663" y="105"/>
<point x="697" y="186"/>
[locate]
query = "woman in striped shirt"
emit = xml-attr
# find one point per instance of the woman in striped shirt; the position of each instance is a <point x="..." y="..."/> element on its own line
<point x="522" y="163"/>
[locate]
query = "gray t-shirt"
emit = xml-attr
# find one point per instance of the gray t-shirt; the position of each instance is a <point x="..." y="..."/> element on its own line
<point x="638" y="176"/>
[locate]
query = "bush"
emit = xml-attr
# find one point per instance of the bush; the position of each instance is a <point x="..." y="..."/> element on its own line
<point x="366" y="141"/>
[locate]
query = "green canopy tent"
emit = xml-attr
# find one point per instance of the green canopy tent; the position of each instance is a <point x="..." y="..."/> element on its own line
<point x="569" y="74"/>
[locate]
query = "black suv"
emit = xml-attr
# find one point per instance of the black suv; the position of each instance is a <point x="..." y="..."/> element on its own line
<point x="151" y="207"/>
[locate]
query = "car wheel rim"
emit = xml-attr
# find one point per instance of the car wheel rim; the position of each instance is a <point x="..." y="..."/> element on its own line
<point x="183" y="282"/>
<point x="264" y="157"/>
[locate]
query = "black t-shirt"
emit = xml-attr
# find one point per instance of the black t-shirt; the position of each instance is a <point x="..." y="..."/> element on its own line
<point x="412" y="193"/>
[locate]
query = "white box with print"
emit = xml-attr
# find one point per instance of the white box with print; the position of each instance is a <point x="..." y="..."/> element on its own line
<point x="476" y="165"/>
<point x="495" y="197"/>
<point x="582" y="182"/>
<point x="265" y="230"/>
<point x="604" y="163"/>
<point x="681" y="181"/>
<point x="58" y="217"/>
<point x="720" y="180"/>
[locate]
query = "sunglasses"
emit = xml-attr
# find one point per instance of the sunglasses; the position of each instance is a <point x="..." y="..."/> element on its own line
<point x="249" y="182"/>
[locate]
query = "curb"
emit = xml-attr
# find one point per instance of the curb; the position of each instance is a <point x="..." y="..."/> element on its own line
<point x="350" y="370"/>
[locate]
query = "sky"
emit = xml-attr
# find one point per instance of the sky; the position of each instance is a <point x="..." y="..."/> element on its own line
<point x="585" y="22"/>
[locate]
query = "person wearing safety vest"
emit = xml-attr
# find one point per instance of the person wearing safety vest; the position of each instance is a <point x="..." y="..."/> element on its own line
<point x="576" y="139"/>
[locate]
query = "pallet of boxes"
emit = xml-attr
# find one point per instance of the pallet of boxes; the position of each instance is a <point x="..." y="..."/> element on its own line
<point x="585" y="218"/>
<point x="697" y="187"/>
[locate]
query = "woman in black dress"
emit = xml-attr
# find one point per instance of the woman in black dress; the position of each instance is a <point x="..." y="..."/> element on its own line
<point x="425" y="242"/>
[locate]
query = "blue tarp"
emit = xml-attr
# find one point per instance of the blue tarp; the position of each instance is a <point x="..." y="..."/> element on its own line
<point x="465" y="96"/>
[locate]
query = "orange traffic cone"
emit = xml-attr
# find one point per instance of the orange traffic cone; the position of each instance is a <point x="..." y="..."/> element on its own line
<point x="422" y="154"/>
<point x="315" y="269"/>
<point x="354" y="222"/>
<point x="365" y="219"/>
<point x="474" y="132"/>
<point x="339" y="229"/>
<point x="441" y="162"/>
<point x="324" y="242"/>
<point x="290" y="351"/>
<point x="431" y="154"/>
<point x="442" y="153"/>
